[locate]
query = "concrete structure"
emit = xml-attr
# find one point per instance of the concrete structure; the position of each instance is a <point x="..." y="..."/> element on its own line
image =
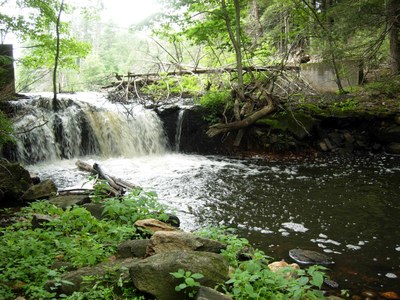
<point x="321" y="76"/>
<point x="7" y="76"/>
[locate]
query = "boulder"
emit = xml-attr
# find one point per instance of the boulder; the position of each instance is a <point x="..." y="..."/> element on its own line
<point x="308" y="257"/>
<point x="43" y="190"/>
<point x="206" y="293"/>
<point x="69" y="200"/>
<point x="152" y="275"/>
<point x="14" y="181"/>
<point x="95" y="209"/>
<point x="166" y="241"/>
<point x="133" y="248"/>
<point x="154" y="225"/>
<point x="39" y="220"/>
<point x="73" y="281"/>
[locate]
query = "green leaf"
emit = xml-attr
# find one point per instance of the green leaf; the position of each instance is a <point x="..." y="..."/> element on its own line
<point x="317" y="279"/>
<point x="197" y="276"/>
<point x="190" y="281"/>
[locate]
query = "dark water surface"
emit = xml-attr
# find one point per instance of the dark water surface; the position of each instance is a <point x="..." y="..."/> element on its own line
<point x="348" y="208"/>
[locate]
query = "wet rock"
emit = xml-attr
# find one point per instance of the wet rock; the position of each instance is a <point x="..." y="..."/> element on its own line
<point x="308" y="257"/>
<point x="152" y="275"/>
<point x="333" y="298"/>
<point x="133" y="248"/>
<point x="206" y="293"/>
<point x="14" y="181"/>
<point x="330" y="283"/>
<point x="167" y="241"/>
<point x="69" y="200"/>
<point x="154" y="225"/>
<point x="43" y="190"/>
<point x="323" y="146"/>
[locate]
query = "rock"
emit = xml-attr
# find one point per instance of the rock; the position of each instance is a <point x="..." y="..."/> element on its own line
<point x="282" y="266"/>
<point x="206" y="293"/>
<point x="95" y="209"/>
<point x="387" y="133"/>
<point x="333" y="298"/>
<point x="330" y="283"/>
<point x="393" y="148"/>
<point x="69" y="200"/>
<point x="154" y="225"/>
<point x="397" y="119"/>
<point x="308" y="257"/>
<point x="348" y="137"/>
<point x="323" y="146"/>
<point x="390" y="295"/>
<point x="152" y="275"/>
<point x="173" y="220"/>
<point x="43" y="190"/>
<point x="117" y="269"/>
<point x="14" y="181"/>
<point x="38" y="220"/>
<point x="133" y="248"/>
<point x="166" y="241"/>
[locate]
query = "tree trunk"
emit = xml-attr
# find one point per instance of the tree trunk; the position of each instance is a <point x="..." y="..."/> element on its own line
<point x="393" y="10"/>
<point x="55" y="104"/>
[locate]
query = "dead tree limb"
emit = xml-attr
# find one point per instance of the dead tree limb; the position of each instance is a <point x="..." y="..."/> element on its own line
<point x="224" y="128"/>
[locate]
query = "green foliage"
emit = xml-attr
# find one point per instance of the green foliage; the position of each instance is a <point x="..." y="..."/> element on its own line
<point x="216" y="102"/>
<point x="389" y="87"/>
<point x="252" y="279"/>
<point x="168" y="86"/>
<point x="134" y="206"/>
<point x="6" y="129"/>
<point x="73" y="235"/>
<point x="189" y="283"/>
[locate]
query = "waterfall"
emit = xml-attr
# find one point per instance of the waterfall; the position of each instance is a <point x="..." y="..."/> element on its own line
<point x="84" y="126"/>
<point x="178" y="133"/>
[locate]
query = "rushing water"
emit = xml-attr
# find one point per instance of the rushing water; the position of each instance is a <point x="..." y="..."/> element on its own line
<point x="346" y="207"/>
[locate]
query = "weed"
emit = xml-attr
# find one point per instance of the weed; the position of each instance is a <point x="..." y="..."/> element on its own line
<point x="189" y="283"/>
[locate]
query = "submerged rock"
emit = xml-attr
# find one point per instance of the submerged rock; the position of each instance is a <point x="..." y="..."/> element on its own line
<point x="308" y="257"/>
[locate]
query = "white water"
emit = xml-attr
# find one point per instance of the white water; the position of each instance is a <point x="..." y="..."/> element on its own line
<point x="86" y="124"/>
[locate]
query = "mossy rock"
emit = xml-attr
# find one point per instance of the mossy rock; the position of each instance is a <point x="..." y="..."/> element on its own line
<point x="14" y="181"/>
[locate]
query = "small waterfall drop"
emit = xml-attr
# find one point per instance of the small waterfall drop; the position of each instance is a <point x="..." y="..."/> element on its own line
<point x="178" y="133"/>
<point x="85" y="126"/>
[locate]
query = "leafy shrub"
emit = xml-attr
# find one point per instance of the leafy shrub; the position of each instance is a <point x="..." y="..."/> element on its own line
<point x="253" y="279"/>
<point x="134" y="206"/>
<point x="6" y="129"/>
<point x="215" y="102"/>
<point x="389" y="87"/>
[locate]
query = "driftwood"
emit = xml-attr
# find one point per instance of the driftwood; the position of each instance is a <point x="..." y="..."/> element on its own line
<point x="117" y="186"/>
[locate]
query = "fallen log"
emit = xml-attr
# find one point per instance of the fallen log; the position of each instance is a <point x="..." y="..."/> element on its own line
<point x="117" y="186"/>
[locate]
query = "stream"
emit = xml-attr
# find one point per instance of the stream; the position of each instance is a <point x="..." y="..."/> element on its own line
<point x="347" y="208"/>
